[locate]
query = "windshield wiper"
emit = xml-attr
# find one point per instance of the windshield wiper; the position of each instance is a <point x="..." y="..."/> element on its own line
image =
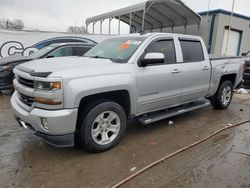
<point x="98" y="57"/>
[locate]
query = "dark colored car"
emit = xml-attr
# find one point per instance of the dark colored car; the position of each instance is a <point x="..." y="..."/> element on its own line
<point x="54" y="50"/>
<point x="246" y="75"/>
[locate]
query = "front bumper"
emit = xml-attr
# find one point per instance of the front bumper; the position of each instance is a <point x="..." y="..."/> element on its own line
<point x="66" y="140"/>
<point x="61" y="123"/>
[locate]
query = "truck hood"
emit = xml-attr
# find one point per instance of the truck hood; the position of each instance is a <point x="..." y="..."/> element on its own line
<point x="73" y="67"/>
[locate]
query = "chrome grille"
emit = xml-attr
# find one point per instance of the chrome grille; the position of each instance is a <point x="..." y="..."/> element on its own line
<point x="26" y="99"/>
<point x="26" y="82"/>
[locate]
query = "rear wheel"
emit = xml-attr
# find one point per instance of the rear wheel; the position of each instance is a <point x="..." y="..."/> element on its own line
<point x="103" y="126"/>
<point x="223" y="97"/>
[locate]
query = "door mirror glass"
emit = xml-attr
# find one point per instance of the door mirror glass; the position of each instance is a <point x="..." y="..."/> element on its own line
<point x="152" y="58"/>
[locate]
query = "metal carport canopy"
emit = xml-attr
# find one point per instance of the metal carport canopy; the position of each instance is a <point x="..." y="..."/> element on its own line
<point x="152" y="14"/>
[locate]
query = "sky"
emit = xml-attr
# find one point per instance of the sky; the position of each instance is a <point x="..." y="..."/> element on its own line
<point x="58" y="15"/>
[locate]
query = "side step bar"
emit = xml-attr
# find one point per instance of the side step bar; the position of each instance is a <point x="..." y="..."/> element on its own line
<point x="160" y="115"/>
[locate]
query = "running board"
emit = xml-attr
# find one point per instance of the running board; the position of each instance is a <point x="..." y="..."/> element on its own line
<point x="160" y="115"/>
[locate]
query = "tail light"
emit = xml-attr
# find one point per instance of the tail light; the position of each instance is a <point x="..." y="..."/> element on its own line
<point x="244" y="68"/>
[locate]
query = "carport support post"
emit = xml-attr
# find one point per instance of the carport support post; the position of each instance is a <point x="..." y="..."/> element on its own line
<point x="101" y="26"/>
<point x="94" y="27"/>
<point x="143" y="19"/>
<point x="87" y="27"/>
<point x="119" y="26"/>
<point x="110" y="25"/>
<point x="130" y="22"/>
<point x="198" y="28"/>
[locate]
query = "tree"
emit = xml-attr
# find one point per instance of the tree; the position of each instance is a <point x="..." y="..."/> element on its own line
<point x="15" y="24"/>
<point x="77" y="30"/>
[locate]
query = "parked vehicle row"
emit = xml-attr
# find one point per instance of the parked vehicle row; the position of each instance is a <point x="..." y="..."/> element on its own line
<point x="88" y="100"/>
<point x="54" y="50"/>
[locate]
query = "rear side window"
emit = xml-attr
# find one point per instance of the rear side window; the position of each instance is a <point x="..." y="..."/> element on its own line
<point x="192" y="51"/>
<point x="166" y="47"/>
<point x="80" y="51"/>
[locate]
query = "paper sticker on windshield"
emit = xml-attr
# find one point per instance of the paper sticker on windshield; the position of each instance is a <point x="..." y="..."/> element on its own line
<point x="127" y="44"/>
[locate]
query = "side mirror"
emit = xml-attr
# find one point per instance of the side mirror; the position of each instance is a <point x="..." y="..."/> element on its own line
<point x="152" y="58"/>
<point x="50" y="56"/>
<point x="244" y="54"/>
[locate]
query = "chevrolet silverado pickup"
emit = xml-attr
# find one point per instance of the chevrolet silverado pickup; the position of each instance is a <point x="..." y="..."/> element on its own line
<point x="88" y="100"/>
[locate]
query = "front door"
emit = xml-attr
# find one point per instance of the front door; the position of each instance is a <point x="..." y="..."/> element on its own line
<point x="159" y="86"/>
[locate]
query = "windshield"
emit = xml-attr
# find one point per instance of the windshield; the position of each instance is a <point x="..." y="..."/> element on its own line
<point x="117" y="49"/>
<point x="41" y="52"/>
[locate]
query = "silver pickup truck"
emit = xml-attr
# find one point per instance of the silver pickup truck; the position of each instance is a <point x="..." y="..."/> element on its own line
<point x="88" y="100"/>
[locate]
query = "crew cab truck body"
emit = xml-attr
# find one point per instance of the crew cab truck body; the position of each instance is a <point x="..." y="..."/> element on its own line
<point x="87" y="100"/>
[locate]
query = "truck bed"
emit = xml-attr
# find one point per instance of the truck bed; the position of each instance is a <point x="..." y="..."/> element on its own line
<point x="216" y="57"/>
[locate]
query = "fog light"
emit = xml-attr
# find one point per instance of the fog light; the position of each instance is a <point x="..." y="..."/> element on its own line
<point x="44" y="122"/>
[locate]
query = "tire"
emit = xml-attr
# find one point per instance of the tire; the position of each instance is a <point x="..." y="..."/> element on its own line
<point x="102" y="126"/>
<point x="223" y="97"/>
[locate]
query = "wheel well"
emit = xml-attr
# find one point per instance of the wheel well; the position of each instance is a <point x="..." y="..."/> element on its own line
<point x="229" y="77"/>
<point x="121" y="97"/>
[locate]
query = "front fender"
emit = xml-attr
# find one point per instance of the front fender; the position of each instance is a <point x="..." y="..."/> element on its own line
<point x="79" y="88"/>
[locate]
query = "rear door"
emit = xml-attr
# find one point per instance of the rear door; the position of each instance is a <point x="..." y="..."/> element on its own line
<point x="196" y="70"/>
<point x="158" y="86"/>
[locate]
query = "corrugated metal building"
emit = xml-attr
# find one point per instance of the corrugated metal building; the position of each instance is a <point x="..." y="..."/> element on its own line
<point x="214" y="30"/>
<point x="239" y="36"/>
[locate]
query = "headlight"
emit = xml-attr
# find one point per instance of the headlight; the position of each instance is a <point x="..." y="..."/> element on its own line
<point x="48" y="86"/>
<point x="6" y="67"/>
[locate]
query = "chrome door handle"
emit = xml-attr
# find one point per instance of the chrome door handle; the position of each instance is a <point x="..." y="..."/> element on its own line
<point x="205" y="68"/>
<point x="176" y="71"/>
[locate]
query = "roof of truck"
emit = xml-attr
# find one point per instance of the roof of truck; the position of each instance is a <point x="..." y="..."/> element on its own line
<point x="158" y="34"/>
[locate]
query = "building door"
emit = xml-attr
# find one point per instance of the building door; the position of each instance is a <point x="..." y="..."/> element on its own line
<point x="234" y="41"/>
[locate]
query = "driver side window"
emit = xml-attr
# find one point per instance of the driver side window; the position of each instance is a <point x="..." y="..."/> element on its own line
<point x="166" y="47"/>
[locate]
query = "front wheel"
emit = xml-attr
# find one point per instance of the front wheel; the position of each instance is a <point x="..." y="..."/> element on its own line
<point x="103" y="126"/>
<point x="223" y="97"/>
